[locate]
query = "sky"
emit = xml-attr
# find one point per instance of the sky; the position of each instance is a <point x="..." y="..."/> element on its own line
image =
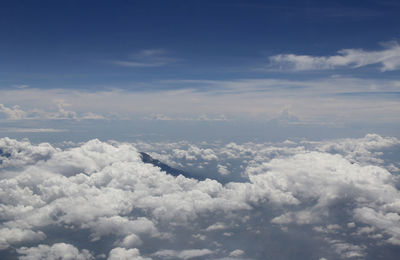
<point x="301" y="67"/>
<point x="283" y="118"/>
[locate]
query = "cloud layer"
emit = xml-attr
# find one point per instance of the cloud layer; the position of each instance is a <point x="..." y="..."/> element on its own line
<point x="96" y="200"/>
<point x="17" y="113"/>
<point x="308" y="101"/>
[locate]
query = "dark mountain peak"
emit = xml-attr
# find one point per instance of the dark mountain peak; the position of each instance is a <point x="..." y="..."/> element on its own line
<point x="146" y="158"/>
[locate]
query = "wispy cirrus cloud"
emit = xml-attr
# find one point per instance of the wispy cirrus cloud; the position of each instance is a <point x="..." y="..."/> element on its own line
<point x="202" y="117"/>
<point x="147" y="58"/>
<point x="388" y="59"/>
<point x="30" y="130"/>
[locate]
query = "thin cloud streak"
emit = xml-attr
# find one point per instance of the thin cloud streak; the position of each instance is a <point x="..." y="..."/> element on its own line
<point x="137" y="64"/>
<point x="31" y="130"/>
<point x="147" y="59"/>
<point x="388" y="59"/>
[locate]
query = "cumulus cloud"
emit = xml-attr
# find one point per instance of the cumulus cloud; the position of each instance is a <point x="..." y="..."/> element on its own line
<point x="222" y="169"/>
<point x="236" y="253"/>
<point x="9" y="236"/>
<point x="388" y="59"/>
<point x="119" y="253"/>
<point x="19" y="153"/>
<point x="365" y="150"/>
<point x="131" y="240"/>
<point x="337" y="199"/>
<point x="60" y="251"/>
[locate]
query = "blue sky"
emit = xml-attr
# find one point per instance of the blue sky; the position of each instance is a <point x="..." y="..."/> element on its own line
<point x="200" y="61"/>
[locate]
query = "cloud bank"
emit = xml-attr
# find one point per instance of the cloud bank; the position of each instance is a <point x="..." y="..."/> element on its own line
<point x="17" y="113"/>
<point x="332" y="199"/>
<point x="314" y="101"/>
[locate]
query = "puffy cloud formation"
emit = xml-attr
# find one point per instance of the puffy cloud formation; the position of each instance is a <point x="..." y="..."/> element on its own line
<point x="389" y="59"/>
<point x="236" y="252"/>
<point x="328" y="199"/>
<point x="16" y="154"/>
<point x="60" y="251"/>
<point x="126" y="254"/>
<point x="10" y="236"/>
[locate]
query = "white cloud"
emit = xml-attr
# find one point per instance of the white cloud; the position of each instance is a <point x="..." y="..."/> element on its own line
<point x="147" y="58"/>
<point x="364" y="150"/>
<point x="236" y="253"/>
<point x="131" y="240"/>
<point x="314" y="101"/>
<point x="386" y="221"/>
<point x="11" y="236"/>
<point x="202" y="117"/>
<point x="117" y="225"/>
<point x="185" y="155"/>
<point x="286" y="117"/>
<point x="19" y="153"/>
<point x="16" y="113"/>
<point x="126" y="254"/>
<point x="347" y="250"/>
<point x="388" y="59"/>
<point x="31" y="130"/>
<point x="107" y="195"/>
<point x="60" y="251"/>
<point x="159" y="117"/>
<point x="185" y="254"/>
<point x="21" y="86"/>
<point x="223" y="169"/>
<point x="216" y="226"/>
